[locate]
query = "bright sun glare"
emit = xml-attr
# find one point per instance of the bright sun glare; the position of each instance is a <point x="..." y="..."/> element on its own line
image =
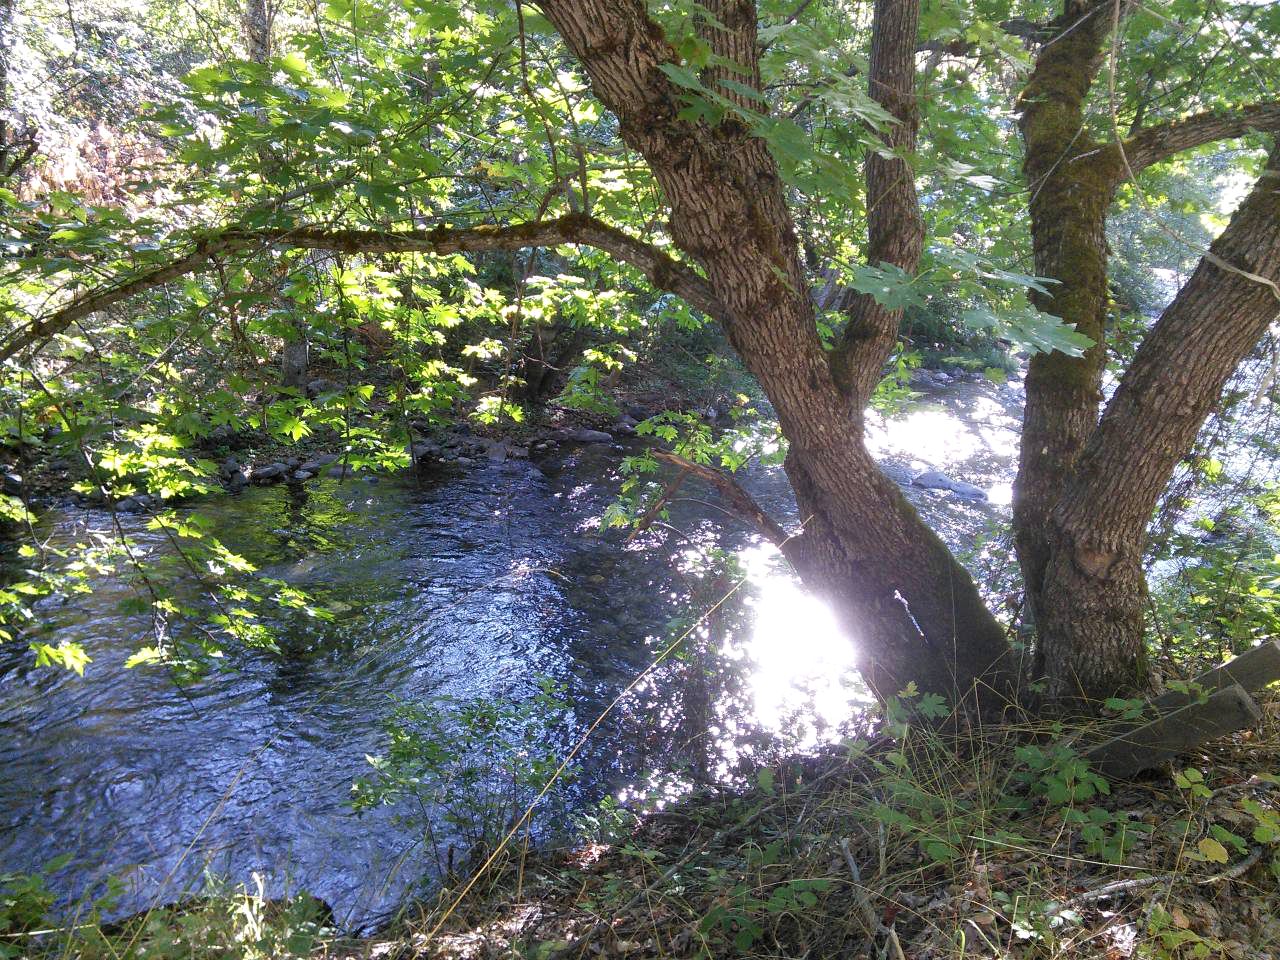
<point x="802" y="662"/>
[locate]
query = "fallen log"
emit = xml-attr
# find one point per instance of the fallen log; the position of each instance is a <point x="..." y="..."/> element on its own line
<point x="1252" y="671"/>
<point x="1149" y="745"/>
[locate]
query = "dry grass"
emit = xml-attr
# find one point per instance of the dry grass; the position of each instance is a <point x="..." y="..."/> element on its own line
<point x="915" y="848"/>
<point x="910" y="847"/>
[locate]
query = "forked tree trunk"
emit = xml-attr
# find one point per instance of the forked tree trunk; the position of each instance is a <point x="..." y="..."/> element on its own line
<point x="912" y="610"/>
<point x="1080" y="520"/>
<point x="1094" y="593"/>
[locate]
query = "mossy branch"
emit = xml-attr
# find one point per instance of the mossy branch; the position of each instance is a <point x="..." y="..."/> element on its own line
<point x="1154" y="144"/>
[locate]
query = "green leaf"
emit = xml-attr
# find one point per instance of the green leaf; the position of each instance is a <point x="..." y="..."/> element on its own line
<point x="1030" y="329"/>
<point x="764" y="778"/>
<point x="1213" y="851"/>
<point x="891" y="287"/>
<point x="940" y="852"/>
<point x="70" y="656"/>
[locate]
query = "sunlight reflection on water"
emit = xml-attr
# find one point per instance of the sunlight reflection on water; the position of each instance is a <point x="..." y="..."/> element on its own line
<point x="802" y="663"/>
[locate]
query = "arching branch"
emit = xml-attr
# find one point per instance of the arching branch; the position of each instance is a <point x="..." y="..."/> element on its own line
<point x="662" y="270"/>
<point x="736" y="499"/>
<point x="1154" y="144"/>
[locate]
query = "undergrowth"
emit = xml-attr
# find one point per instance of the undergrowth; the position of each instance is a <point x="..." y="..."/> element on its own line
<point x="902" y="843"/>
<point x="907" y="843"/>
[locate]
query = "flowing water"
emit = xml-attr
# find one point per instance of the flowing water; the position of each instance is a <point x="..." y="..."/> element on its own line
<point x="463" y="584"/>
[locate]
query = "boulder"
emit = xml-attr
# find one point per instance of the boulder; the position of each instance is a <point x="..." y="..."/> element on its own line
<point x="316" y="464"/>
<point x="937" y="480"/>
<point x="590" y="436"/>
<point x="968" y="491"/>
<point x="271" y="473"/>
<point x="323" y="385"/>
<point x="11" y="483"/>
<point x="423" y="450"/>
<point x="236" y="481"/>
<point x="932" y="480"/>
<point x="302" y="474"/>
<point x="341" y="470"/>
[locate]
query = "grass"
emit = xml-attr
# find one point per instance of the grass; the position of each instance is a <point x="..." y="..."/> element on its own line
<point x="911" y="846"/>
<point x="905" y="843"/>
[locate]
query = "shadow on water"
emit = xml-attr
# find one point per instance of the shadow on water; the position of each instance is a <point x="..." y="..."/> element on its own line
<point x="456" y="586"/>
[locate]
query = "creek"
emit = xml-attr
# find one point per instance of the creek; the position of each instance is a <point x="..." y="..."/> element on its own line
<point x="464" y="582"/>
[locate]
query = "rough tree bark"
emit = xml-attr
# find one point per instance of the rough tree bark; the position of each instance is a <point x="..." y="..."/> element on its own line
<point x="1089" y="639"/>
<point x="1095" y="590"/>
<point x="1071" y="187"/>
<point x="913" y="610"/>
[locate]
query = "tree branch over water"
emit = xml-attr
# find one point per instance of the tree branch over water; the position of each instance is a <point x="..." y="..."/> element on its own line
<point x="736" y="498"/>
<point x="663" y="271"/>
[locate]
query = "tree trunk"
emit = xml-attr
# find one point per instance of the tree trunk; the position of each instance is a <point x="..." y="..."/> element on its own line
<point x="913" y="613"/>
<point x="295" y="353"/>
<point x="1072" y="181"/>
<point x="911" y="609"/>
<point x="256" y="21"/>
<point x="1081" y="502"/>
<point x="895" y="229"/>
<point x="1094" y="594"/>
<point x="552" y="353"/>
<point x="295" y="358"/>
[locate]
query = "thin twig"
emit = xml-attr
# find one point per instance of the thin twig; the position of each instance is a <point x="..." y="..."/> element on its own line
<point x="1139" y="883"/>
